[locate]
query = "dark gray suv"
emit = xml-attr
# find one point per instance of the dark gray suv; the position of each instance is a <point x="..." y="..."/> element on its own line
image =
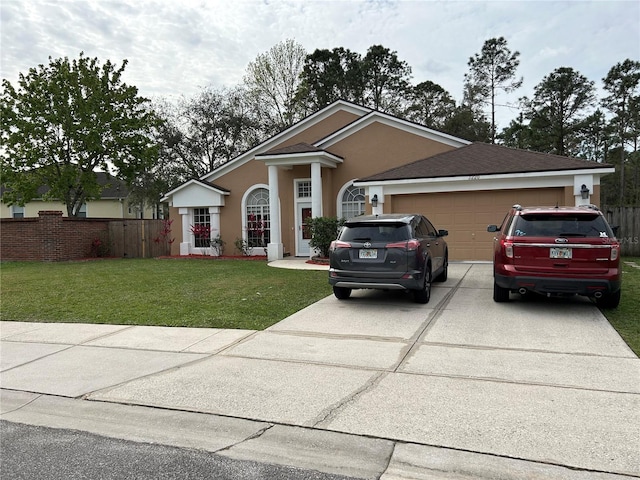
<point x="388" y="252"/>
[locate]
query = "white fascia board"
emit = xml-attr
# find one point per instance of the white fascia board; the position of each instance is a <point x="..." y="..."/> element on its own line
<point x="189" y="184"/>
<point x="285" y="135"/>
<point x="326" y="159"/>
<point x="560" y="178"/>
<point x="392" y="122"/>
<point x="198" y="194"/>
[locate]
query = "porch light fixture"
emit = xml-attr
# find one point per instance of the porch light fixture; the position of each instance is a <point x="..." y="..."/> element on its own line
<point x="374" y="200"/>
<point x="584" y="192"/>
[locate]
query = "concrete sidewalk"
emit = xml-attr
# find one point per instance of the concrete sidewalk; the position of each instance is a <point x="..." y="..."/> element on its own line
<point x="372" y="387"/>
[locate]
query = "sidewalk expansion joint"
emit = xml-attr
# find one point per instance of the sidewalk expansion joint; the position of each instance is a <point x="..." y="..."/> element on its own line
<point x="431" y="318"/>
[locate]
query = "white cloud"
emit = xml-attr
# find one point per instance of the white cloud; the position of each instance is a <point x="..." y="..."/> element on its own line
<point x="176" y="47"/>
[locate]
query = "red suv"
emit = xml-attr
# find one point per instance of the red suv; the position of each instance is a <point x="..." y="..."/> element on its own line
<point x="557" y="251"/>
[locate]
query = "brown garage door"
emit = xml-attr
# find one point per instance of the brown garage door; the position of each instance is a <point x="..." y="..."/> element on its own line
<point x="467" y="214"/>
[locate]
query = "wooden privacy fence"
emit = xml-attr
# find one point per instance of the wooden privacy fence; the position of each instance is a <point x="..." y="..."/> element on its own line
<point x="50" y="237"/>
<point x="137" y="239"/>
<point x="627" y="219"/>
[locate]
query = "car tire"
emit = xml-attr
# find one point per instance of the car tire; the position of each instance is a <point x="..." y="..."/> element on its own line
<point x="611" y="300"/>
<point x="342" y="293"/>
<point x="445" y="270"/>
<point x="500" y="294"/>
<point x="424" y="294"/>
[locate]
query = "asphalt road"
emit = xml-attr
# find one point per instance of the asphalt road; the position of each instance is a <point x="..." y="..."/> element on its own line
<point x="32" y="453"/>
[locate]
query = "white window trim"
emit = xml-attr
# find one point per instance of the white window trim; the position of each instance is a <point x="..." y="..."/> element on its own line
<point x="297" y="181"/>
<point x="245" y="235"/>
<point x="21" y="210"/>
<point x="341" y="194"/>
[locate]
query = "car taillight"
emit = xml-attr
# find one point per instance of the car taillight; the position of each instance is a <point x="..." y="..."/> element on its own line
<point x="338" y="244"/>
<point x="408" y="245"/>
<point x="508" y="248"/>
<point x="615" y="252"/>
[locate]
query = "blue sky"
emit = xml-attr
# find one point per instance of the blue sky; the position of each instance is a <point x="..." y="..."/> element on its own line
<point x="176" y="47"/>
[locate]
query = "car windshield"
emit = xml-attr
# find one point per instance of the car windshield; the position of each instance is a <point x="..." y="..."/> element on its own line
<point x="375" y="233"/>
<point x="557" y="225"/>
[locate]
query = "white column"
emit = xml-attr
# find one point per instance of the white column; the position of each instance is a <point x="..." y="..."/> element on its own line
<point x="275" y="250"/>
<point x="316" y="190"/>
<point x="185" y="245"/>
<point x="214" y="218"/>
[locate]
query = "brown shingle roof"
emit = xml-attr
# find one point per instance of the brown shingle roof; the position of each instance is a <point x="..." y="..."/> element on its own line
<point x="115" y="188"/>
<point x="482" y="159"/>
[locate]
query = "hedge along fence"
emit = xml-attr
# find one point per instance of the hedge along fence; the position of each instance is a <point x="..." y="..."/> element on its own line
<point x="627" y="219"/>
<point x="50" y="237"/>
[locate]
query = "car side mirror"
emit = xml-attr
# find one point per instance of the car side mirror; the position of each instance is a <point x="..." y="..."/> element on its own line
<point x="443" y="233"/>
<point x="615" y="230"/>
<point x="493" y="228"/>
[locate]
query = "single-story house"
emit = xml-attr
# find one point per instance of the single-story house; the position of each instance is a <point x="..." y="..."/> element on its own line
<point x="346" y="160"/>
<point x="113" y="203"/>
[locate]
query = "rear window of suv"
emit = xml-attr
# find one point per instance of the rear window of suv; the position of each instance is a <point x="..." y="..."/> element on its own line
<point x="558" y="225"/>
<point x="375" y="233"/>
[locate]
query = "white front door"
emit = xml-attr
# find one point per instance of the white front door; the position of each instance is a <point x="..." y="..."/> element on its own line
<point x="303" y="235"/>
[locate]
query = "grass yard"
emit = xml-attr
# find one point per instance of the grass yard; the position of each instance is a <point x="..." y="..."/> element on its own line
<point x="626" y="318"/>
<point x="174" y="292"/>
<point x="199" y="293"/>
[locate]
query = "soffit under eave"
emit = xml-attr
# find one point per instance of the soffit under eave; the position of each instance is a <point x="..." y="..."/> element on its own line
<point x="325" y="159"/>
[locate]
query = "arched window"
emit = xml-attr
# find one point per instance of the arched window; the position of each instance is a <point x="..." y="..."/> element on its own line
<point x="353" y="202"/>
<point x="258" y="220"/>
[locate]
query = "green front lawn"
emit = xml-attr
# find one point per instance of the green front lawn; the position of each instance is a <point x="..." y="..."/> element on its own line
<point x="198" y="293"/>
<point x="176" y="292"/>
<point x="626" y="318"/>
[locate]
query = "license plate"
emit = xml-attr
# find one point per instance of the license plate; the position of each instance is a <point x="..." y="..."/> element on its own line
<point x="368" y="253"/>
<point x="560" y="253"/>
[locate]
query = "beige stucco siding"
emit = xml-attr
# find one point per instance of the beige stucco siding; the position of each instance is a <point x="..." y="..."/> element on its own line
<point x="467" y="214"/>
<point x="377" y="148"/>
<point x="322" y="129"/>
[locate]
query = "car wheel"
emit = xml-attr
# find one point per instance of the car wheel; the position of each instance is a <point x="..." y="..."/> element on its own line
<point x="424" y="294"/>
<point x="500" y="294"/>
<point x="342" y="293"/>
<point x="445" y="270"/>
<point x="611" y="300"/>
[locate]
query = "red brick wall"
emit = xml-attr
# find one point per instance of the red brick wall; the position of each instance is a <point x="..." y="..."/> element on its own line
<point x="50" y="237"/>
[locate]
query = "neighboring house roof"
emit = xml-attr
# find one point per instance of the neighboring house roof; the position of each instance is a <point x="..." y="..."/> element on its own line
<point x="115" y="188"/>
<point x="482" y="159"/>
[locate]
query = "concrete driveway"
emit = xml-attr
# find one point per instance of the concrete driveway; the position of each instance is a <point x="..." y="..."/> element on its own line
<point x="372" y="387"/>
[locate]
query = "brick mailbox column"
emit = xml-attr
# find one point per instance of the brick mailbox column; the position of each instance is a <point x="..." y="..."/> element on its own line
<point x="49" y="233"/>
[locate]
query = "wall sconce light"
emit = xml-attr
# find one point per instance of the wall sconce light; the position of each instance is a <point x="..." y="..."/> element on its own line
<point x="374" y="200"/>
<point x="584" y="192"/>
